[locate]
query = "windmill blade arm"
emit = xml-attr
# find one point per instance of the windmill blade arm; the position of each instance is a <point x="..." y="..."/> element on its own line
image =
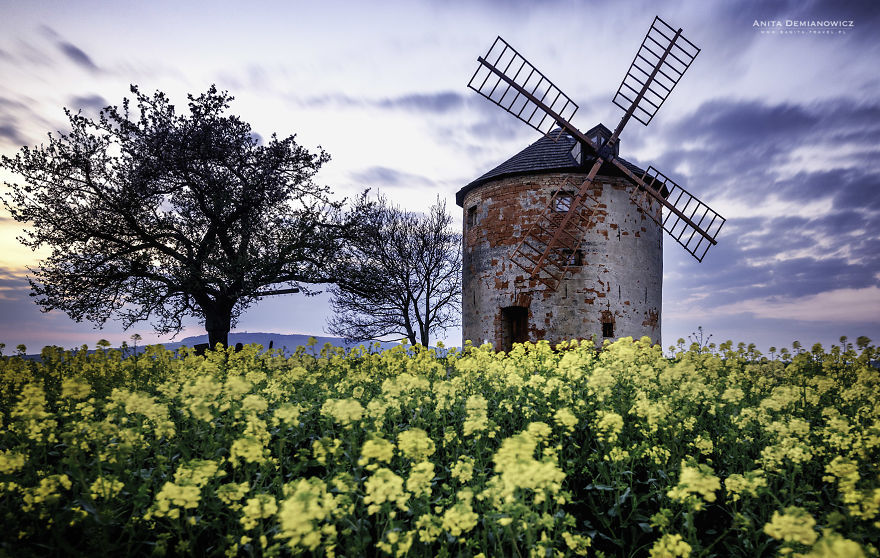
<point x="507" y="79"/>
<point x="692" y="223"/>
<point x="662" y="59"/>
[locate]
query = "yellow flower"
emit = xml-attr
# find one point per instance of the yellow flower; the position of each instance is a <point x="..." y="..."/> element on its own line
<point x="653" y="413"/>
<point x="235" y="387"/>
<point x="704" y="445"/>
<point x="415" y="444"/>
<point x="137" y="403"/>
<point x="477" y="415"/>
<point x="260" y="507"/>
<point x="171" y="494"/>
<point x="11" y="461"/>
<point x="795" y="524"/>
<point x="325" y="447"/>
<point x="577" y="543"/>
<point x="540" y="430"/>
<point x="658" y="454"/>
<point x="31" y="417"/>
<point x="861" y="503"/>
<point x="699" y="480"/>
<point x="516" y="468"/>
<point x="344" y="411"/>
<point x="608" y="425"/>
<point x="47" y="492"/>
<point x="616" y="455"/>
<point x="463" y="470"/>
<point x="429" y="527"/>
<point x="670" y="546"/>
<point x="200" y="397"/>
<point x="231" y="493"/>
<point x="376" y="449"/>
<point x="287" y="414"/>
<point x="738" y="485"/>
<point x="343" y="482"/>
<point x="792" y="443"/>
<point x="197" y="472"/>
<point x="396" y="544"/>
<point x="106" y="488"/>
<point x="75" y="388"/>
<point x="305" y="508"/>
<point x="662" y="519"/>
<point x="732" y="395"/>
<point x="832" y="545"/>
<point x="460" y="518"/>
<point x="249" y="450"/>
<point x="566" y="419"/>
<point x="253" y="403"/>
<point x="384" y="486"/>
<point x="419" y="481"/>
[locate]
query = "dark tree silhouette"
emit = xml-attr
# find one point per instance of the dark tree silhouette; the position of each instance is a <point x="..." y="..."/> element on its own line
<point x="153" y="215"/>
<point x="403" y="276"/>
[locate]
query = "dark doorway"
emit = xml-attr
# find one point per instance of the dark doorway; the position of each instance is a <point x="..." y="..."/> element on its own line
<point x="607" y="329"/>
<point x="607" y="324"/>
<point x="514" y="326"/>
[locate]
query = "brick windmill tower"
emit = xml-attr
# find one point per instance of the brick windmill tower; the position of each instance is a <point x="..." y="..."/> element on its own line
<point x="564" y="239"/>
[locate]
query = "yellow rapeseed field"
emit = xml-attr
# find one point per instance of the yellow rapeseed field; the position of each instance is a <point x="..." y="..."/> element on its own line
<point x="538" y="452"/>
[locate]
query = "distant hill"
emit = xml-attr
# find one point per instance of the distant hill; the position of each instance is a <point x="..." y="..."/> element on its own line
<point x="287" y="342"/>
<point x="279" y="341"/>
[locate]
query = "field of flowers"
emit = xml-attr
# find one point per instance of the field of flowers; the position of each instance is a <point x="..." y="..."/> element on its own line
<point x="539" y="452"/>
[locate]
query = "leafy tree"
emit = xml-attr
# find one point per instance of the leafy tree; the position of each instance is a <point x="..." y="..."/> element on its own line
<point x="154" y="215"/>
<point x="403" y="276"/>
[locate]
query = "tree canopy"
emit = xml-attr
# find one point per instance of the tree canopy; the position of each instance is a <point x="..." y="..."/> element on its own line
<point x="150" y="214"/>
<point x="403" y="276"/>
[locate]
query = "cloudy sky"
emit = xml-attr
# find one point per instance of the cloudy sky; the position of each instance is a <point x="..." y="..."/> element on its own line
<point x="777" y="128"/>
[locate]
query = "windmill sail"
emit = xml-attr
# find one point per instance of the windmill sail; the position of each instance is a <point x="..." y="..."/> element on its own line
<point x="692" y="223"/>
<point x="695" y="225"/>
<point x="511" y="82"/>
<point x="661" y="60"/>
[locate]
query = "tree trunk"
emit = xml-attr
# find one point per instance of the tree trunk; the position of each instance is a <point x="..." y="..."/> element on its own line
<point x="218" y="320"/>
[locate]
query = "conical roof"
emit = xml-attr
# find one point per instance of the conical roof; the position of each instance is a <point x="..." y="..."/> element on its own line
<point x="546" y="156"/>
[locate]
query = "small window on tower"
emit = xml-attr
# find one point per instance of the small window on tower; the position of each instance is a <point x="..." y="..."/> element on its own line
<point x="574" y="257"/>
<point x="607" y="329"/>
<point x="562" y="202"/>
<point x="471" y="216"/>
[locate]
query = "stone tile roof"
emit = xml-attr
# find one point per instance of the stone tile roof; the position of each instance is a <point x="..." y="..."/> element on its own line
<point x="545" y="156"/>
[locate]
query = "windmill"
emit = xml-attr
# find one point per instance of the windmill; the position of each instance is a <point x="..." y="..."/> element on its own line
<point x="546" y="250"/>
<point x="507" y="79"/>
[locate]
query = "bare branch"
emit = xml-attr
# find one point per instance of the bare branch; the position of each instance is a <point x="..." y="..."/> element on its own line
<point x="403" y="276"/>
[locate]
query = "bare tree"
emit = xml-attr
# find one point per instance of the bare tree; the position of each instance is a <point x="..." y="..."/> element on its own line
<point x="158" y="215"/>
<point x="403" y="277"/>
